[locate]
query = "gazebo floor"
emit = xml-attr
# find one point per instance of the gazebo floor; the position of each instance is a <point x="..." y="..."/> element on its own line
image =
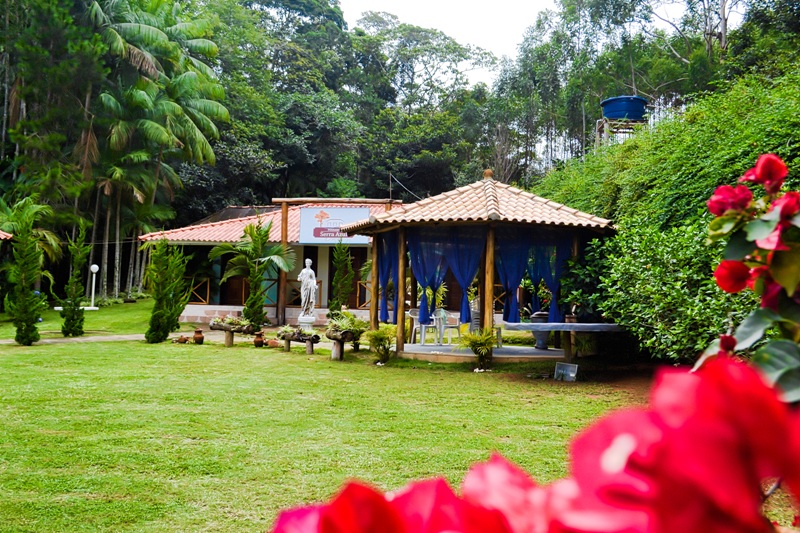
<point x="451" y="353"/>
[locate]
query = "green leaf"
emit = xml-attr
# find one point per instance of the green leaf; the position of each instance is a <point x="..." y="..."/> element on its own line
<point x="753" y="327"/>
<point x="785" y="268"/>
<point x="789" y="384"/>
<point x="721" y="226"/>
<point x="760" y="228"/>
<point x="739" y="246"/>
<point x="777" y="358"/>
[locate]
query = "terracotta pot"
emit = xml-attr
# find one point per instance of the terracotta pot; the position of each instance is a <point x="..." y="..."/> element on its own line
<point x="258" y="341"/>
<point x="198" y="336"/>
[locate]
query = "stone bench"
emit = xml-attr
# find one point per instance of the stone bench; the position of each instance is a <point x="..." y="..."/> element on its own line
<point x="565" y="328"/>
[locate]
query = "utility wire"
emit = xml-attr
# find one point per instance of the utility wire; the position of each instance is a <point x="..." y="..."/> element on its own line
<point x="403" y="186"/>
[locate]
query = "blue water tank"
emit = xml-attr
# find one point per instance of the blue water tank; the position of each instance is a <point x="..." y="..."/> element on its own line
<point x="624" y="107"/>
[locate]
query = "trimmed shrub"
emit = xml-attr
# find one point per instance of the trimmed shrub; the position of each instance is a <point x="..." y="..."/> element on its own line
<point x="71" y="310"/>
<point x="169" y="289"/>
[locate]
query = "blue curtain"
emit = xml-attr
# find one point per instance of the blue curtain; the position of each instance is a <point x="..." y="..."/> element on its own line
<point x="563" y="252"/>
<point x="463" y="254"/>
<point x="387" y="266"/>
<point x="511" y="259"/>
<point x="539" y="269"/>
<point x="426" y="247"/>
<point x="548" y="264"/>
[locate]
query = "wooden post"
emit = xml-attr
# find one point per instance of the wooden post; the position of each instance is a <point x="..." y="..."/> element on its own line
<point x="280" y="317"/>
<point x="401" y="291"/>
<point x="374" y="287"/>
<point x="228" y="338"/>
<point x="487" y="314"/>
<point x="309" y="347"/>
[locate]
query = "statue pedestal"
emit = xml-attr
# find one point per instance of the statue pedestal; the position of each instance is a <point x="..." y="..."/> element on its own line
<point x="305" y="322"/>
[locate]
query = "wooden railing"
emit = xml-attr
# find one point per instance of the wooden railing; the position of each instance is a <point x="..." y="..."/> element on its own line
<point x="363" y="295"/>
<point x="201" y="291"/>
<point x="295" y="299"/>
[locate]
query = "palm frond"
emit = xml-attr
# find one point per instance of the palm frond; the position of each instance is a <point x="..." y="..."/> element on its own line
<point x="154" y="132"/>
<point x="144" y="33"/>
<point x="205" y="47"/>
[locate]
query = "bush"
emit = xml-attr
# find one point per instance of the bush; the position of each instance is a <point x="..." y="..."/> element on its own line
<point x="381" y="341"/>
<point x="659" y="286"/>
<point x="169" y="289"/>
<point x="481" y="343"/>
<point x="671" y="169"/>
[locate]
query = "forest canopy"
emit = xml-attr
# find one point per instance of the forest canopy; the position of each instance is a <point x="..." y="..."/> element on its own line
<point x="135" y="115"/>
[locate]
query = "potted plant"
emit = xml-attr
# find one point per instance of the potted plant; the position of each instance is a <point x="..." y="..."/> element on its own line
<point x="286" y="333"/>
<point x="480" y="342"/>
<point x="381" y="341"/>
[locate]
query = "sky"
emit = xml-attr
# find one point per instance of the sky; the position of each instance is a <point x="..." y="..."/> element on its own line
<point x="495" y="25"/>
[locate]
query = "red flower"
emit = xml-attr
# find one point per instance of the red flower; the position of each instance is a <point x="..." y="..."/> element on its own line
<point x="432" y="507"/>
<point x="695" y="460"/>
<point x="732" y="276"/>
<point x="727" y="198"/>
<point x="771" y="294"/>
<point x="770" y="171"/>
<point x="788" y="206"/>
<point x="727" y="343"/>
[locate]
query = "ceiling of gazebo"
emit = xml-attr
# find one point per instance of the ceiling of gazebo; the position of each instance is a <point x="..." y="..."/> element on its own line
<point x="483" y="201"/>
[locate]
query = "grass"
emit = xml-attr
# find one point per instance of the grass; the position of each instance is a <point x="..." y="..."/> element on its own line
<point x="117" y="319"/>
<point x="126" y="436"/>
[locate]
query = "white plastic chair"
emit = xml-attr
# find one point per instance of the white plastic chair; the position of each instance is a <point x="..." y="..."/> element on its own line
<point x="444" y="325"/>
<point x="422" y="328"/>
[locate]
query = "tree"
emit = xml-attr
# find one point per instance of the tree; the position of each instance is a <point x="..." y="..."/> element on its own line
<point x="169" y="289"/>
<point x="343" y="275"/>
<point x="71" y="311"/>
<point x="25" y="304"/>
<point x="252" y="257"/>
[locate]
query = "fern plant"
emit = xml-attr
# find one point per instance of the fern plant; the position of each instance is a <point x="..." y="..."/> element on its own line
<point x="480" y="343"/>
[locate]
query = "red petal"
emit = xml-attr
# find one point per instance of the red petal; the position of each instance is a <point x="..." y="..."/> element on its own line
<point x="301" y="520"/>
<point x="360" y="509"/>
<point x="499" y="484"/>
<point x="732" y="276"/>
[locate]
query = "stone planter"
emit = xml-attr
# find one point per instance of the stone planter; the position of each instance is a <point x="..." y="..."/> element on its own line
<point x="229" y="330"/>
<point x="339" y="338"/>
<point x="540" y="336"/>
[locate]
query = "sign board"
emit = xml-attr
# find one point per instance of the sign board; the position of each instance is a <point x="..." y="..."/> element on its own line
<point x="566" y="372"/>
<point x="320" y="225"/>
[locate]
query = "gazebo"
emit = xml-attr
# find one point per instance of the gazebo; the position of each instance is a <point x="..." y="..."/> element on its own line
<point x="483" y="229"/>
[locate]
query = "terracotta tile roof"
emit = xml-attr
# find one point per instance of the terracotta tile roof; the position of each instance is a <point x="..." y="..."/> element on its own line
<point x="232" y="230"/>
<point x="5" y="236"/>
<point x="483" y="201"/>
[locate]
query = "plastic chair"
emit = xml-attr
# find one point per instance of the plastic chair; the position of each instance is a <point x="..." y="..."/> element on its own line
<point x="443" y="322"/>
<point x="422" y="328"/>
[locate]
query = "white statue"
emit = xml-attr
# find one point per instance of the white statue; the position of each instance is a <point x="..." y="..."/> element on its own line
<point x="308" y="289"/>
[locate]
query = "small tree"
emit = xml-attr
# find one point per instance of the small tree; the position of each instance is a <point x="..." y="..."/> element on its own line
<point x="169" y="290"/>
<point x="71" y="310"/>
<point x="342" y="277"/>
<point x="252" y="257"/>
<point x="25" y="304"/>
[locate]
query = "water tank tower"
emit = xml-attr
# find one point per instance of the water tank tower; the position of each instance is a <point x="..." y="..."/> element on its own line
<point x="621" y="114"/>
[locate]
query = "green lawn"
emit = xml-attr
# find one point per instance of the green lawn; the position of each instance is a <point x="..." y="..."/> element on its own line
<point x="127" y="436"/>
<point x="117" y="319"/>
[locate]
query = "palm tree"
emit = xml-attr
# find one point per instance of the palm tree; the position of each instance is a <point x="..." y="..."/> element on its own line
<point x="253" y="255"/>
<point x="13" y="217"/>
